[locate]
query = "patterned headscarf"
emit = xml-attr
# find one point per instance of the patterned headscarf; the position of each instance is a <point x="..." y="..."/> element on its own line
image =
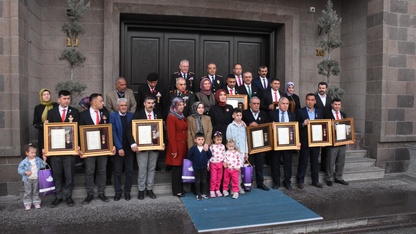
<point x="48" y="104"/>
<point x="174" y="108"/>
<point x="198" y="117"/>
<point x="201" y="86"/>
<point x="217" y="97"/>
<point x="287" y="87"/>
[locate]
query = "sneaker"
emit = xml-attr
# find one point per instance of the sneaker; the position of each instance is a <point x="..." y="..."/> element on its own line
<point x="218" y="193"/>
<point x="225" y="193"/>
<point x="204" y="196"/>
<point x="37" y="206"/>
<point x="212" y="194"/>
<point x="241" y="191"/>
<point x="198" y="197"/>
<point x="235" y="195"/>
<point x="27" y="207"/>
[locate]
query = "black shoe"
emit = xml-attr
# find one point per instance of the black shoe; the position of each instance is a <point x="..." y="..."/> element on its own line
<point x="117" y="197"/>
<point x="179" y="195"/>
<point x="55" y="203"/>
<point x="89" y="198"/>
<point x="300" y="185"/>
<point x="329" y="183"/>
<point x="288" y="187"/>
<point x="264" y="187"/>
<point x="275" y="186"/>
<point x="341" y="182"/>
<point x="141" y="195"/>
<point x="127" y="196"/>
<point x="70" y="202"/>
<point x="150" y="194"/>
<point x="318" y="185"/>
<point x="103" y="197"/>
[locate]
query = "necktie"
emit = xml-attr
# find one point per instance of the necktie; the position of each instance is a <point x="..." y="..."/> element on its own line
<point x="264" y="84"/>
<point x="283" y="117"/>
<point x="275" y="97"/>
<point x="63" y="115"/>
<point x="149" y="116"/>
<point x="239" y="81"/>
<point x="152" y="90"/>
<point x="212" y="79"/>
<point x="184" y="75"/>
<point x="336" y="112"/>
<point x="249" y="90"/>
<point x="97" y="117"/>
<point x="231" y="91"/>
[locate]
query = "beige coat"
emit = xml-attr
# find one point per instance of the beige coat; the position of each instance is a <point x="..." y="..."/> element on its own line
<point x="111" y="100"/>
<point x="206" y="124"/>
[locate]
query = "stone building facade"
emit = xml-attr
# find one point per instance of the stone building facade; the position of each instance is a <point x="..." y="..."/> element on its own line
<point x="377" y="58"/>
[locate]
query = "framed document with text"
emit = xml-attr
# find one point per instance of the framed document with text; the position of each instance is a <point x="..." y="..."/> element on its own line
<point x="320" y="133"/>
<point x="96" y="140"/>
<point x="259" y="138"/>
<point x="286" y="136"/>
<point x="60" y="139"/>
<point x="148" y="134"/>
<point x="343" y="131"/>
<point x="238" y="100"/>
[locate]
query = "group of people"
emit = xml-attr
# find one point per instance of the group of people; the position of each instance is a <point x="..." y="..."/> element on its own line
<point x="200" y="126"/>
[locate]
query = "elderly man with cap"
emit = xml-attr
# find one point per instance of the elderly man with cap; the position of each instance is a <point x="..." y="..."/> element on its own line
<point x="152" y="89"/>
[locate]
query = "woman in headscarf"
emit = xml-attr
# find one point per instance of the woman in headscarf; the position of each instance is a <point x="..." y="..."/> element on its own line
<point x="294" y="102"/>
<point x="205" y="95"/>
<point x="221" y="114"/>
<point x="177" y="129"/>
<point x="40" y="115"/>
<point x="197" y="122"/>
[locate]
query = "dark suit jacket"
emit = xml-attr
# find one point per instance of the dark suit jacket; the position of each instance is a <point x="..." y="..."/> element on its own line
<point x="191" y="81"/>
<point x="326" y="111"/>
<point x="54" y="116"/>
<point x="221" y="117"/>
<point x="144" y="91"/>
<point x="257" y="82"/>
<point x="274" y="116"/>
<point x="301" y="115"/>
<point x="235" y="89"/>
<point x="218" y="83"/>
<point x="254" y="91"/>
<point x="294" y="98"/>
<point x="85" y="117"/>
<point x="249" y="118"/>
<point x="115" y="120"/>
<point x="268" y="99"/>
<point x="343" y="115"/>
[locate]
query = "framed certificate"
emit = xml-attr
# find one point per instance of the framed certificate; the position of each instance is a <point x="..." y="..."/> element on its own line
<point x="259" y="138"/>
<point x="60" y="138"/>
<point x="320" y="133"/>
<point x="96" y="140"/>
<point x="343" y="131"/>
<point x="286" y="136"/>
<point x="148" y="134"/>
<point x="238" y="100"/>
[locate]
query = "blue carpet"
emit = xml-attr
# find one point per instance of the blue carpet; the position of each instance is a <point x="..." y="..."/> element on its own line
<point x="254" y="209"/>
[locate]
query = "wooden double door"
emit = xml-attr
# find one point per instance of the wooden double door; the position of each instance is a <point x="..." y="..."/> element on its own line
<point x="146" y="50"/>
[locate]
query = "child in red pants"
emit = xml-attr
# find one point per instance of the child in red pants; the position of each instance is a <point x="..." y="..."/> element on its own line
<point x="215" y="165"/>
<point x="232" y="165"/>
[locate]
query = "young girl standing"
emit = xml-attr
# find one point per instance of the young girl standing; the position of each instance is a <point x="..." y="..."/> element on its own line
<point x="29" y="168"/>
<point x="232" y="165"/>
<point x="215" y="165"/>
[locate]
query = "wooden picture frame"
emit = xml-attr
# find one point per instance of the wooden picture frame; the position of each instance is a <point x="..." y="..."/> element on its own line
<point x="343" y="131"/>
<point x="320" y="133"/>
<point x="286" y="136"/>
<point x="60" y="138"/>
<point x="148" y="134"/>
<point x="237" y="100"/>
<point x="259" y="138"/>
<point x="96" y="140"/>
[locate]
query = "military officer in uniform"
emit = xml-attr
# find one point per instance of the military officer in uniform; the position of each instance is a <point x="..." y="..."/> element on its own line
<point x="187" y="75"/>
<point x="181" y="91"/>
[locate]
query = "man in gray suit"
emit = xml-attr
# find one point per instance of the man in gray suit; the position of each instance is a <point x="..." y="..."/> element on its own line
<point x="121" y="91"/>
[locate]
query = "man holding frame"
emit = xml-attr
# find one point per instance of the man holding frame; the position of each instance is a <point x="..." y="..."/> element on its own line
<point x="282" y="115"/>
<point x="336" y="154"/>
<point x="63" y="165"/>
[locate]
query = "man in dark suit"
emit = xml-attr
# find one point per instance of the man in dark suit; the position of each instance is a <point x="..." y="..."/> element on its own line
<point x="217" y="82"/>
<point x="183" y="72"/>
<point x="152" y="89"/>
<point x="181" y="91"/>
<point x="230" y="88"/>
<point x="282" y="115"/>
<point x="147" y="160"/>
<point x="272" y="96"/>
<point x="248" y="88"/>
<point x="323" y="102"/>
<point x="262" y="82"/>
<point x="238" y="74"/>
<point x="124" y="155"/>
<point x="253" y="116"/>
<point x="63" y="165"/>
<point x="93" y="116"/>
<point x="336" y="154"/>
<point x="304" y="115"/>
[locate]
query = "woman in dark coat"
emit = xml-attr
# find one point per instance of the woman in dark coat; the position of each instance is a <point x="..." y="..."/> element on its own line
<point x="177" y="129"/>
<point x="40" y="115"/>
<point x="294" y="102"/>
<point x="221" y="114"/>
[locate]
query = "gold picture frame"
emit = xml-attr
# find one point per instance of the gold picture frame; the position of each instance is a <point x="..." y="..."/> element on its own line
<point x="96" y="140"/>
<point x="286" y="136"/>
<point x="320" y="133"/>
<point x="343" y="131"/>
<point x="148" y="134"/>
<point x="60" y="138"/>
<point x="259" y="138"/>
<point x="237" y="100"/>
